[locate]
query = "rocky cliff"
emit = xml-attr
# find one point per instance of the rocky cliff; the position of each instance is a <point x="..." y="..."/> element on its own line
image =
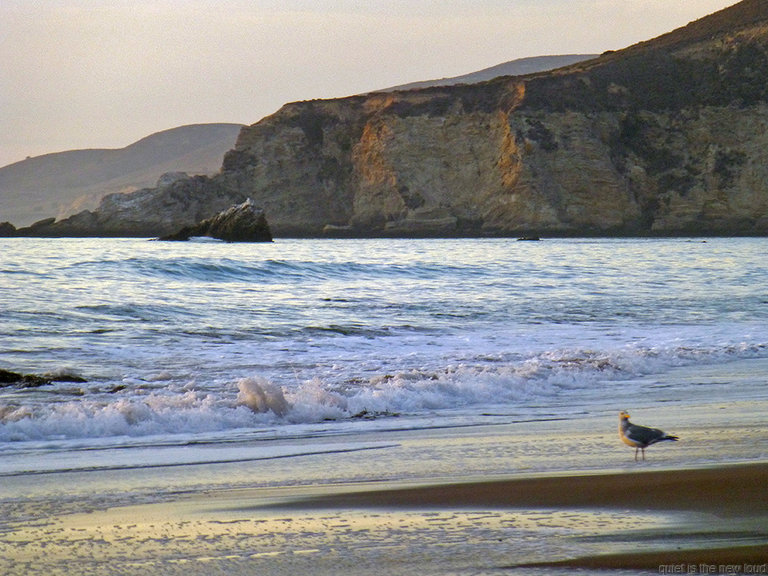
<point x="665" y="137"/>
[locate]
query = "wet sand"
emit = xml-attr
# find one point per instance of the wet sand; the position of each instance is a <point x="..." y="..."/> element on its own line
<point x="726" y="503"/>
<point x="640" y="520"/>
<point x="726" y="490"/>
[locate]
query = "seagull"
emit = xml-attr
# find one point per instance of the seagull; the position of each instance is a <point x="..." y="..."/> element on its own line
<point x="640" y="437"/>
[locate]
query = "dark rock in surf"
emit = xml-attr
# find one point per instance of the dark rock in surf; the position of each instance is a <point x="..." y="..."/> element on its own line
<point x="8" y="378"/>
<point x="241" y="223"/>
<point x="366" y="415"/>
<point x="66" y="377"/>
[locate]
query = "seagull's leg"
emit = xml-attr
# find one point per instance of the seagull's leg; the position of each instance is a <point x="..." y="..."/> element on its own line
<point x="643" y="451"/>
<point x="636" y="454"/>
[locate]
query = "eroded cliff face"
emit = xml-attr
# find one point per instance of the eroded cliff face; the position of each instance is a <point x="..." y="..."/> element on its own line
<point x="441" y="162"/>
<point x="444" y="172"/>
<point x="370" y="169"/>
<point x="704" y="170"/>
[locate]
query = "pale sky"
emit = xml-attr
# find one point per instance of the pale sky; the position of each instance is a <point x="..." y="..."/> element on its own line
<point x="105" y="73"/>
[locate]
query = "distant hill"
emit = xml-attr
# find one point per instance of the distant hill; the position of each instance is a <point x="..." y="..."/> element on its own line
<point x="64" y="183"/>
<point x="519" y="67"/>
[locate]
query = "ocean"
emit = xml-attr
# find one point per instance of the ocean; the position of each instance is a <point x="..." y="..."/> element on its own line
<point x="197" y="352"/>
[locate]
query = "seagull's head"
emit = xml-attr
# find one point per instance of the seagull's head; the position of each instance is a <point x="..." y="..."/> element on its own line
<point x="623" y="415"/>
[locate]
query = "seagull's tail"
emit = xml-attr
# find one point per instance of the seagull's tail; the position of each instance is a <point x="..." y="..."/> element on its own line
<point x="669" y="437"/>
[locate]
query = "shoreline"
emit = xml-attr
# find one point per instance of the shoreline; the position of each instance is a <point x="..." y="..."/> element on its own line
<point x="37" y="231"/>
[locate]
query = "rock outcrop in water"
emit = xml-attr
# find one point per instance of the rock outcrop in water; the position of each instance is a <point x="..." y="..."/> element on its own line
<point x="242" y="223"/>
<point x="666" y="137"/>
<point x="177" y="201"/>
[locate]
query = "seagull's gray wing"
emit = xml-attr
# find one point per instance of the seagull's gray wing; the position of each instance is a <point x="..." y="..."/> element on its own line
<point x="645" y="435"/>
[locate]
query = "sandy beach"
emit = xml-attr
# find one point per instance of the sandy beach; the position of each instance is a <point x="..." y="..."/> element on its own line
<point x="518" y="498"/>
<point x="712" y="516"/>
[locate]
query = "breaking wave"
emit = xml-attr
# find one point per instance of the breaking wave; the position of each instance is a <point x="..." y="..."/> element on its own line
<point x="492" y="383"/>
